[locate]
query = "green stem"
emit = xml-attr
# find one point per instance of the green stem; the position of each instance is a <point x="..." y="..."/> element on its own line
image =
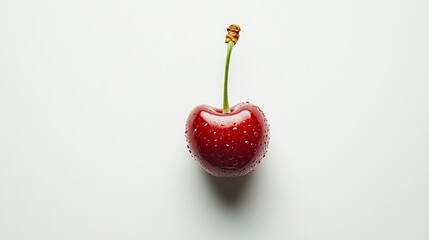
<point x="225" y="82"/>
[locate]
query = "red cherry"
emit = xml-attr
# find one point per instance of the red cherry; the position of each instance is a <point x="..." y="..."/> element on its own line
<point x="227" y="145"/>
<point x="228" y="142"/>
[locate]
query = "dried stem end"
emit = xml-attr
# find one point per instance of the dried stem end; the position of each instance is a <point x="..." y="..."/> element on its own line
<point x="233" y="33"/>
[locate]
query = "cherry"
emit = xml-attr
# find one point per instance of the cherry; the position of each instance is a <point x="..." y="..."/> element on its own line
<point x="228" y="142"/>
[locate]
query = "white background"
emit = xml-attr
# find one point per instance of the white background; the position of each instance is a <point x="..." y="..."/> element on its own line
<point x="94" y="96"/>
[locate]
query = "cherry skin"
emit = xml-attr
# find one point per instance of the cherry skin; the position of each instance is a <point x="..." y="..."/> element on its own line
<point x="227" y="144"/>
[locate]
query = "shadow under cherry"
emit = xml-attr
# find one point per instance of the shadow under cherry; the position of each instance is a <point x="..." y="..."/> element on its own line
<point x="229" y="191"/>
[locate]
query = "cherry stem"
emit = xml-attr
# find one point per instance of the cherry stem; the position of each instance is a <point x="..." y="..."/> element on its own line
<point x="226" y="108"/>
